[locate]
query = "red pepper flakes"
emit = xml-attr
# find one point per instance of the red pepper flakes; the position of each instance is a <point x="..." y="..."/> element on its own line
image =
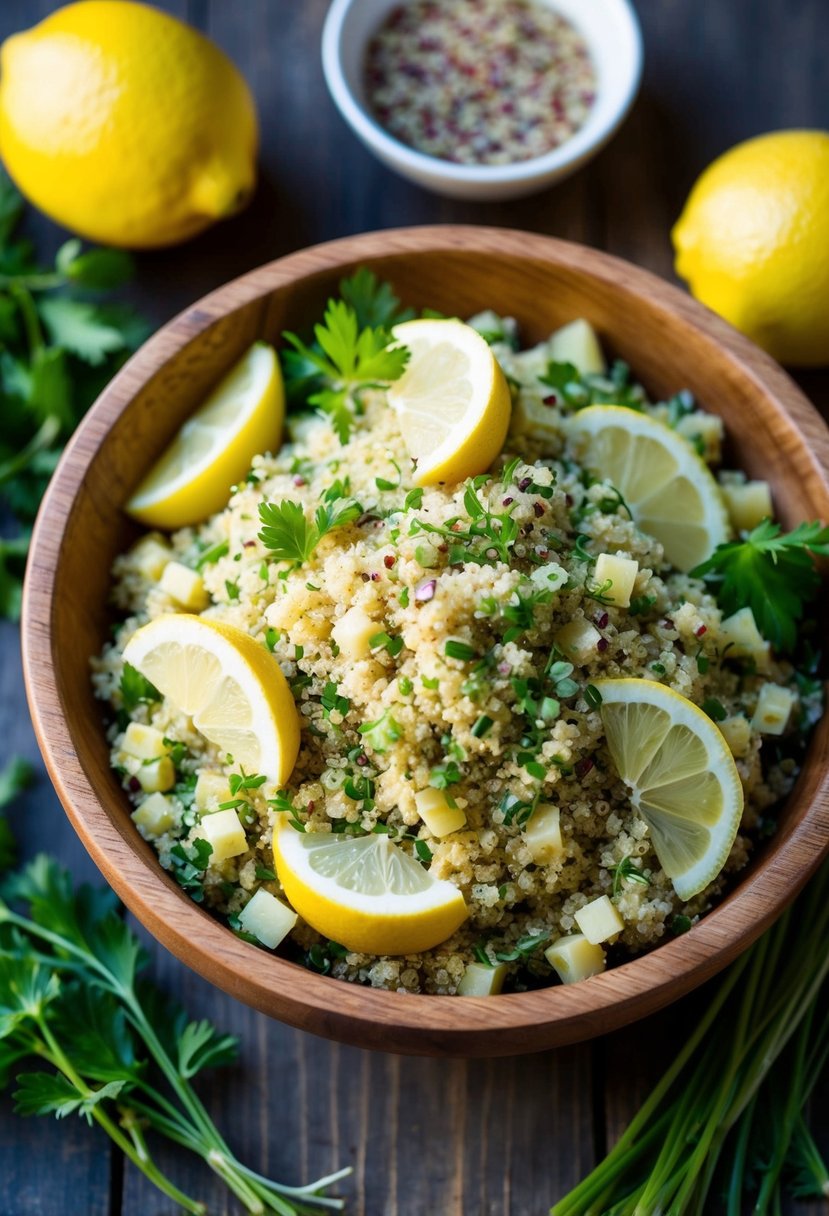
<point x="482" y="82"/>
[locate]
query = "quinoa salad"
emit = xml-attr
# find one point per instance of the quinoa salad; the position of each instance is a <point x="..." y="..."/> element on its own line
<point x="443" y="645"/>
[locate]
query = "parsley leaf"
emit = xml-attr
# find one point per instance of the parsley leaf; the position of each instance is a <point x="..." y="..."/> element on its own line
<point x="57" y="351"/>
<point x="107" y="1044"/>
<point x="770" y="572"/>
<point x="291" y="537"/>
<point x="352" y="350"/>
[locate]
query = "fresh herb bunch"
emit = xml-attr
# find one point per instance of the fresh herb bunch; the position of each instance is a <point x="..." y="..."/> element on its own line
<point x="770" y="572"/>
<point x="107" y="1044"/>
<point x="59" y="345"/>
<point x="726" y="1120"/>
<point x="352" y="351"/>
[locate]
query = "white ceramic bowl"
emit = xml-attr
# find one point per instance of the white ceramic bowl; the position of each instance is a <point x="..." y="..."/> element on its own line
<point x="611" y="31"/>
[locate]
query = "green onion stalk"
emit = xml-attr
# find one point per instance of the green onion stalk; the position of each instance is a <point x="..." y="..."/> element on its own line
<point x="725" y="1125"/>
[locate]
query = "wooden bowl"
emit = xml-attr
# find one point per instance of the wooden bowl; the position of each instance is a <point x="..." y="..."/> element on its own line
<point x="671" y="343"/>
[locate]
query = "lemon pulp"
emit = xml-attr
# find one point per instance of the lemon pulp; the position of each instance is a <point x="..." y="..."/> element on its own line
<point x="681" y="775"/>
<point x="365" y="892"/>
<point x="230" y="686"/>
<point x="241" y="418"/>
<point x="452" y="401"/>
<point x="667" y="486"/>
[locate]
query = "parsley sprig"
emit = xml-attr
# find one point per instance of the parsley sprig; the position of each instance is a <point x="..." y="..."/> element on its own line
<point x="59" y="345"/>
<point x="107" y="1045"/>
<point x="292" y="537"/>
<point x="352" y="350"/>
<point x="770" y="572"/>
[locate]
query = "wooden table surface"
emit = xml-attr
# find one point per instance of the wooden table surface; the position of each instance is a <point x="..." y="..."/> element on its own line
<point x="425" y="1138"/>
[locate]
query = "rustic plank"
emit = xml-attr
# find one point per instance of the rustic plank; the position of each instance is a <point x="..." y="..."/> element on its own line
<point x="78" y="1157"/>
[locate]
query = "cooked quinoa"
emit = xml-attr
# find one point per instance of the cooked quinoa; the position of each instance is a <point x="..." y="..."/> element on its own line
<point x="408" y="716"/>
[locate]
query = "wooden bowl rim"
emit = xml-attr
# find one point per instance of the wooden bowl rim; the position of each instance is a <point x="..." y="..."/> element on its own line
<point x="419" y="1024"/>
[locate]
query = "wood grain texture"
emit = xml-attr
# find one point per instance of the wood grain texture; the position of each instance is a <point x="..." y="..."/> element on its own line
<point x="671" y="342"/>
<point x="713" y="74"/>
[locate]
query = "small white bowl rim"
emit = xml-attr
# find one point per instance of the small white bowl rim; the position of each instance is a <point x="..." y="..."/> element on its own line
<point x="589" y="138"/>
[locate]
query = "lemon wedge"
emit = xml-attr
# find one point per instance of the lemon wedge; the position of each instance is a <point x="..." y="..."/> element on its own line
<point x="365" y="892"/>
<point x="682" y="777"/>
<point x="668" y="487"/>
<point x="452" y="401"/>
<point x="230" y="686"/>
<point x="243" y="416"/>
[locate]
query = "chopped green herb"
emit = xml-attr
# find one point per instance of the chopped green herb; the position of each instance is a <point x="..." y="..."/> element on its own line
<point x="430" y="682"/>
<point x="592" y="696"/>
<point x="384" y="641"/>
<point x="770" y="572"/>
<point x="136" y="690"/>
<point x="483" y="726"/>
<point x="381" y="734"/>
<point x="714" y="708"/>
<point x="627" y="871"/>
<point x="405" y="686"/>
<point x="232" y="589"/>
<point x="271" y="638"/>
<point x="456" y="649"/>
<point x="211" y="555"/>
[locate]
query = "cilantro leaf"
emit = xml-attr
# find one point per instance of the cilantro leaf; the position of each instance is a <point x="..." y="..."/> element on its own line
<point x="291" y="537"/>
<point x="770" y="572"/>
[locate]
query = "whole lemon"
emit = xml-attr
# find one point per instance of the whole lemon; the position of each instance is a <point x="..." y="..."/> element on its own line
<point x="125" y="125"/>
<point x="753" y="243"/>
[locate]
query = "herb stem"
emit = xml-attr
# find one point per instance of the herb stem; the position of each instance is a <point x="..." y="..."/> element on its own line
<point x="140" y="1158"/>
<point x="44" y="437"/>
<point x="31" y="322"/>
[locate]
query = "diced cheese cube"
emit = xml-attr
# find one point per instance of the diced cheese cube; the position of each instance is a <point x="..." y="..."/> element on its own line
<point x="599" y="920"/>
<point x="440" y="818"/>
<point x="737" y="733"/>
<point x="620" y="573"/>
<point x="530" y="416"/>
<point x="577" y="343"/>
<point x="185" y="586"/>
<point x="574" y="958"/>
<point x="550" y="577"/>
<point x="267" y="918"/>
<point x="577" y="640"/>
<point x="353" y="632"/>
<point x="225" y="833"/>
<point x="707" y="429"/>
<point x="211" y="789"/>
<point x="145" y="742"/>
<point x="741" y="639"/>
<point x="150" y="555"/>
<point x="480" y="980"/>
<point x="542" y="834"/>
<point x="156" y="776"/>
<point x="155" y="815"/>
<point x="774" y="707"/>
<point x="748" y="503"/>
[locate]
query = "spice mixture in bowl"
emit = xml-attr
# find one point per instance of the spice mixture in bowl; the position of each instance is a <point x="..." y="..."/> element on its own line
<point x="485" y="82"/>
<point x="454" y="694"/>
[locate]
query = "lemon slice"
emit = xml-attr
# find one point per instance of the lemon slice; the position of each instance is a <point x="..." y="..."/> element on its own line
<point x="230" y="686"/>
<point x="452" y="401"/>
<point x="242" y="417"/>
<point x="667" y="486"/>
<point x="365" y="892"/>
<point x="682" y="777"/>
